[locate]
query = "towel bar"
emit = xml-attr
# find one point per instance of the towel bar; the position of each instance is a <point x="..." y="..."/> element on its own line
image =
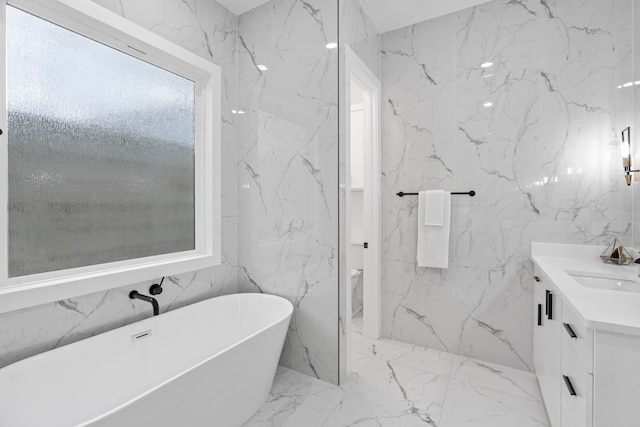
<point x="468" y="193"/>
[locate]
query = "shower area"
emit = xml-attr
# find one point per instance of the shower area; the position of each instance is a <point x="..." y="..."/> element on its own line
<point x="519" y="101"/>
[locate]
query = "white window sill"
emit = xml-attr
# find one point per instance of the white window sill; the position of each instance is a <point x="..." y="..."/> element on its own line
<point x="23" y="295"/>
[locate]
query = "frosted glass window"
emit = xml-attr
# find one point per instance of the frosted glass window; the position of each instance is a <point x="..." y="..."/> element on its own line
<point x="101" y="152"/>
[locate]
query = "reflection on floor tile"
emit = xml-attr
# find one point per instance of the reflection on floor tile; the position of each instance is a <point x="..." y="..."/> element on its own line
<point x="391" y="394"/>
<point x="470" y="405"/>
<point x="401" y="385"/>
<point x="297" y="400"/>
<point x="359" y="363"/>
<point x="496" y="377"/>
<point x="426" y="359"/>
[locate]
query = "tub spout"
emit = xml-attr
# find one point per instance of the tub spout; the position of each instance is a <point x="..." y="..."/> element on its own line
<point x="154" y="303"/>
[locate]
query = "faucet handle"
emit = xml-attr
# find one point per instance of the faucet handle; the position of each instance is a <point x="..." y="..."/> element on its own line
<point x="155" y="289"/>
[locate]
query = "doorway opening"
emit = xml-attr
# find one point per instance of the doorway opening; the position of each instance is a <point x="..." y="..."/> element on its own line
<point x="363" y="91"/>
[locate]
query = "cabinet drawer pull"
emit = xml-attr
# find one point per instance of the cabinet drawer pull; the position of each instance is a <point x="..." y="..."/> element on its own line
<point x="570" y="331"/>
<point x="546" y="302"/>
<point x="550" y="306"/>
<point x="536" y="278"/>
<point x="567" y="382"/>
<point x="539" y="314"/>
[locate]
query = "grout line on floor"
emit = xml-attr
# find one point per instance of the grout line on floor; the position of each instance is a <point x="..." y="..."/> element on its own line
<point x="446" y="393"/>
<point x="335" y="408"/>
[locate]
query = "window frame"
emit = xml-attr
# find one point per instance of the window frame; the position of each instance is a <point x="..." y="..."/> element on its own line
<point x="104" y="26"/>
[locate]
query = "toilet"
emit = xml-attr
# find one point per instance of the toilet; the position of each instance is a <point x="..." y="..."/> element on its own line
<point x="355" y="275"/>
<point x="356" y="291"/>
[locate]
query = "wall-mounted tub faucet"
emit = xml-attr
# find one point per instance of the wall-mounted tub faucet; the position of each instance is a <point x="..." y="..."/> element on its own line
<point x="154" y="303"/>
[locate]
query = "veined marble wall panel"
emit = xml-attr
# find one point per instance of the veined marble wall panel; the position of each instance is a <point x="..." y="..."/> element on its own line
<point x="357" y="31"/>
<point x="636" y="123"/>
<point x="288" y="172"/>
<point x="208" y="29"/>
<point x="535" y="135"/>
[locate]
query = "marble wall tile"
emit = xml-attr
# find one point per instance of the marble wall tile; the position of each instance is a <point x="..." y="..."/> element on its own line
<point x="635" y="121"/>
<point x="357" y="30"/>
<point x="287" y="172"/>
<point x="543" y="159"/>
<point x="207" y="29"/>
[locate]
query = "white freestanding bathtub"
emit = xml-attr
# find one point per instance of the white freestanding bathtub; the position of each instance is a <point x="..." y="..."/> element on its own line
<point x="208" y="364"/>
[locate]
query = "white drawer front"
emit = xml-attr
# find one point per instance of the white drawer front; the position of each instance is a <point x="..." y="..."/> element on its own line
<point x="578" y="337"/>
<point x="540" y="278"/>
<point x="577" y="391"/>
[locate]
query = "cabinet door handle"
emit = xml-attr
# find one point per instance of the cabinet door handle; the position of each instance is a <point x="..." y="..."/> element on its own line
<point x="550" y="306"/>
<point x="546" y="302"/>
<point x="536" y="278"/>
<point x="539" y="314"/>
<point x="567" y="382"/>
<point x="570" y="331"/>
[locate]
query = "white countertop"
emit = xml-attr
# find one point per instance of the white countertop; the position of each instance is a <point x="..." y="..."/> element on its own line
<point x="608" y="310"/>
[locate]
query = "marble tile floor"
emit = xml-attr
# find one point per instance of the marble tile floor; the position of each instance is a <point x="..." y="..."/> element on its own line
<point x="395" y="384"/>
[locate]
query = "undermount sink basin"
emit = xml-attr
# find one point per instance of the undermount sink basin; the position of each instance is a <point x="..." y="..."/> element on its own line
<point x="606" y="283"/>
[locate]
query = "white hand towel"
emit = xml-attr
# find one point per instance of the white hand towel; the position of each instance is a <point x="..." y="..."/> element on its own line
<point x="434" y="208"/>
<point x="433" y="241"/>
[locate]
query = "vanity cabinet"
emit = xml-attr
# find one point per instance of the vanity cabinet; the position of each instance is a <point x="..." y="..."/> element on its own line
<point x="547" y="344"/>
<point x="577" y="369"/>
<point x="616" y="374"/>
<point x="588" y="378"/>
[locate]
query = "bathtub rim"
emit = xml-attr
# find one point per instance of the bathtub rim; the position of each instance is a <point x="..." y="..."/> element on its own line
<point x="171" y="378"/>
